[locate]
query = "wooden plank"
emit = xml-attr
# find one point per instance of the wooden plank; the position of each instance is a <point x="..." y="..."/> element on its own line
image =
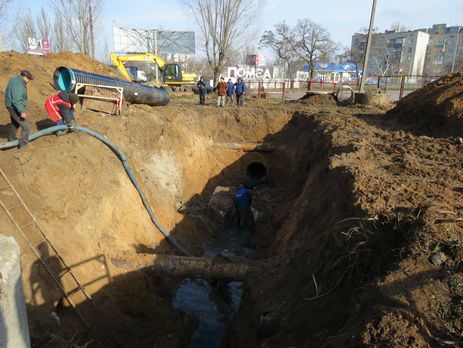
<point x="106" y="99"/>
<point x="100" y="98"/>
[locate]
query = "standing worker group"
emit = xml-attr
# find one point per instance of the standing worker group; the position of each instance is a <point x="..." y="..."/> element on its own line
<point x="16" y="102"/>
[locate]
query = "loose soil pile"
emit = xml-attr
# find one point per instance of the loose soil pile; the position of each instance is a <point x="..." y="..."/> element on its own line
<point x="437" y="108"/>
<point x="321" y="100"/>
<point x="360" y="223"/>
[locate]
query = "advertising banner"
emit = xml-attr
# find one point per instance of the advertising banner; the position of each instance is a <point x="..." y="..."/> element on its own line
<point x="38" y="47"/>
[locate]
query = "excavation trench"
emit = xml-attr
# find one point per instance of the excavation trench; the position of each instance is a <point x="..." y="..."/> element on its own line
<point x="354" y="203"/>
<point x="277" y="167"/>
<point x="190" y="168"/>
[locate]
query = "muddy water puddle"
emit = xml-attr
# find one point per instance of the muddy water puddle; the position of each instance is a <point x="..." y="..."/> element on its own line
<point x="214" y="303"/>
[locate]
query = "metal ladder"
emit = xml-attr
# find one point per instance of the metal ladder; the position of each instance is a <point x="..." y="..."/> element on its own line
<point x="33" y="236"/>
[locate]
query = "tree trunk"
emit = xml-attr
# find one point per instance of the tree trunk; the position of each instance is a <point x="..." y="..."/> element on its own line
<point x="186" y="267"/>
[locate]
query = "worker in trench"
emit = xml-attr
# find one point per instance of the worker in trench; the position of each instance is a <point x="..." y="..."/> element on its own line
<point x="244" y="222"/>
<point x="60" y="108"/>
<point x="243" y="202"/>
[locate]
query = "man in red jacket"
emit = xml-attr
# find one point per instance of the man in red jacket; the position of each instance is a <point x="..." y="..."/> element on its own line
<point x="60" y="108"/>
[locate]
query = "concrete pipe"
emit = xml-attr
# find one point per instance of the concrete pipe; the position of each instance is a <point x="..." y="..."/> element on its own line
<point x="256" y="171"/>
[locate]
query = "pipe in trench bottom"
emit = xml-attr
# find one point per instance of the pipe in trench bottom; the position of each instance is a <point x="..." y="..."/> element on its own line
<point x="186" y="267"/>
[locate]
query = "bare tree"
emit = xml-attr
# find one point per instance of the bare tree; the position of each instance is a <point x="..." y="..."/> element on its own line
<point x="201" y="65"/>
<point x="281" y="42"/>
<point x="382" y="63"/>
<point x="24" y="30"/>
<point x="106" y="53"/>
<point x="60" y="41"/>
<point x="3" y="8"/>
<point x="357" y="53"/>
<point x="355" y="56"/>
<point x="79" y="18"/>
<point x="238" y="55"/>
<point x="43" y="24"/>
<point x="364" y="30"/>
<point x="312" y="43"/>
<point x="222" y="24"/>
<point x="397" y="27"/>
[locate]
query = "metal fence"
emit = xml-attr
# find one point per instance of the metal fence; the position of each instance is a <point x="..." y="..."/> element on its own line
<point x="285" y="86"/>
<point x="402" y="84"/>
<point x="385" y="84"/>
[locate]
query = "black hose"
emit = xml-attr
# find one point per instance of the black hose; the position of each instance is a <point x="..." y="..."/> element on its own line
<point x="127" y="168"/>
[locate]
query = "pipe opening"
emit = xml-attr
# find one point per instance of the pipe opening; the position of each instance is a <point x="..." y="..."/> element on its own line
<point x="64" y="79"/>
<point x="256" y="171"/>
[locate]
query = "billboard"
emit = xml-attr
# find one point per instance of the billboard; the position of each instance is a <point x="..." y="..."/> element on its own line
<point x="38" y="47"/>
<point x="156" y="41"/>
<point x="257" y="60"/>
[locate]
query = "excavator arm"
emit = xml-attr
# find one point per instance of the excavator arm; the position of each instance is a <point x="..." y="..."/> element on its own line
<point x="120" y="60"/>
<point x="171" y="73"/>
<point x="117" y="62"/>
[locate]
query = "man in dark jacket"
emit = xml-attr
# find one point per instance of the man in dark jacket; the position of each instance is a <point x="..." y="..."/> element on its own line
<point x="202" y="90"/>
<point x="230" y="92"/>
<point x="240" y="87"/>
<point x="16" y="102"/>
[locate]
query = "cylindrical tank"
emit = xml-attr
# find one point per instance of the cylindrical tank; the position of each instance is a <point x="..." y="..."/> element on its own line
<point x="65" y="79"/>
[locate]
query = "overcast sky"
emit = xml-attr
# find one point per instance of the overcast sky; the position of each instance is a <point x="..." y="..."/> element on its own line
<point x="340" y="17"/>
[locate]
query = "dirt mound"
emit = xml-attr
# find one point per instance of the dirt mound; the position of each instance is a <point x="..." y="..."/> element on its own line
<point x="373" y="206"/>
<point x="318" y="100"/>
<point x="437" y="107"/>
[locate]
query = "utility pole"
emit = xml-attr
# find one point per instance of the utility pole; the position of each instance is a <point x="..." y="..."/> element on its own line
<point x="367" y="51"/>
<point x="456" y="49"/>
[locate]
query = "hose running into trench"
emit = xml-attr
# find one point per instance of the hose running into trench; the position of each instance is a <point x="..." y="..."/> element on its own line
<point x="122" y="158"/>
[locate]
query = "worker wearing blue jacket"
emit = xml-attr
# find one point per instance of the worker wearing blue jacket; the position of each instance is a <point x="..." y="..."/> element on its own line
<point x="243" y="202"/>
<point x="240" y="87"/>
<point x="230" y="92"/>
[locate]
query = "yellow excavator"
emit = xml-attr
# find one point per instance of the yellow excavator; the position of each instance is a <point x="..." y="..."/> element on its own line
<point x="150" y="68"/>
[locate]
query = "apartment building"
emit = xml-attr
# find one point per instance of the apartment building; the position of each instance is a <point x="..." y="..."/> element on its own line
<point x="393" y="52"/>
<point x="431" y="51"/>
<point x="445" y="49"/>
